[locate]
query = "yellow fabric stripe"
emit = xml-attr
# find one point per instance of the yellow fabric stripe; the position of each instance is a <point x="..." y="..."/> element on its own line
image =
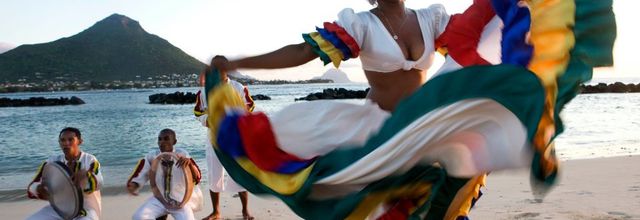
<point x="334" y="53"/>
<point x="419" y="191"/>
<point x="285" y="184"/>
<point x="552" y="38"/>
<point x="92" y="183"/>
<point x="225" y="96"/>
<point x="96" y="167"/>
<point x="198" y="113"/>
<point x="39" y="172"/>
<point x="140" y="163"/>
<point x="443" y="51"/>
<point x="461" y="204"/>
<point x="75" y="169"/>
<point x="219" y="99"/>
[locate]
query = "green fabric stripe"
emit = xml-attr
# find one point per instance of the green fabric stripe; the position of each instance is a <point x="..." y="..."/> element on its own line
<point x="316" y="49"/>
<point x="595" y="33"/>
<point x="441" y="201"/>
<point x="340" y="208"/>
<point x="514" y="87"/>
<point x="91" y="184"/>
<point x="212" y="79"/>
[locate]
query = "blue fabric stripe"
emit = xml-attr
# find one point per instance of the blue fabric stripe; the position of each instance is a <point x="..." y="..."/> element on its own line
<point x="517" y="21"/>
<point x="289" y="167"/>
<point x="229" y="140"/>
<point x="333" y="39"/>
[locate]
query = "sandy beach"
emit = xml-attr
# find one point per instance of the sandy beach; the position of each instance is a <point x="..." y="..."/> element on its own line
<point x="606" y="188"/>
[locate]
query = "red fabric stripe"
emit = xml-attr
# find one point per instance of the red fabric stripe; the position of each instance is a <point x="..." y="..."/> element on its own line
<point x="136" y="172"/>
<point x="260" y="144"/>
<point x="462" y="35"/>
<point x="400" y="210"/>
<point x="248" y="100"/>
<point x="344" y="37"/>
<point x="197" y="110"/>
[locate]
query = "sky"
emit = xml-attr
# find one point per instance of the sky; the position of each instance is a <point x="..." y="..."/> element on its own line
<point x="237" y="28"/>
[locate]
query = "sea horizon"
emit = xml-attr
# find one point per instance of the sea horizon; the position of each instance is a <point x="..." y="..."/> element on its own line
<point x="119" y="127"/>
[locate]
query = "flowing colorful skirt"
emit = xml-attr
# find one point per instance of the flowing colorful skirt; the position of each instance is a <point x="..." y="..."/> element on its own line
<point x="426" y="159"/>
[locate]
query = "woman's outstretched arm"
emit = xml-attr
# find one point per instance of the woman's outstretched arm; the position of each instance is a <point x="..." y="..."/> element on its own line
<point x="287" y="56"/>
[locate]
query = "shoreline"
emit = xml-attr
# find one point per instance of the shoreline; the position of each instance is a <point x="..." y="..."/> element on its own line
<point x="601" y="188"/>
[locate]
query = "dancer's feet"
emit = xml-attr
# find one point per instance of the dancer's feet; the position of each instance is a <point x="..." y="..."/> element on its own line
<point x="247" y="217"/>
<point x="213" y="216"/>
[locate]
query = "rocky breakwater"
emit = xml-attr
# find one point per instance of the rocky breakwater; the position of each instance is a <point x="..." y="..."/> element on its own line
<point x="173" y="98"/>
<point x="186" y="98"/>
<point x="40" y="101"/>
<point x="616" y="87"/>
<point x="336" y="93"/>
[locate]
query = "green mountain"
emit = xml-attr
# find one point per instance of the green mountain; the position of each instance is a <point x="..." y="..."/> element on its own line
<point x="115" y="48"/>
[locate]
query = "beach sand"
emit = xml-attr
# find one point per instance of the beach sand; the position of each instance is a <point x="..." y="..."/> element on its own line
<point x="606" y="188"/>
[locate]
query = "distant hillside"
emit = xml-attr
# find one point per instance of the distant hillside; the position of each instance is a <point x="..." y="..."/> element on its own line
<point x="336" y="75"/>
<point x="115" y="48"/>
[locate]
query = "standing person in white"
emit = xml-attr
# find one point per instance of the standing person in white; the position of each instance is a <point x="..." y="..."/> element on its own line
<point x="85" y="170"/>
<point x="153" y="208"/>
<point x="215" y="170"/>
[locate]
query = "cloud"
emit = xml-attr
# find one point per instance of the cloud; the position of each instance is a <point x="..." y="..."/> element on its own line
<point x="4" y="47"/>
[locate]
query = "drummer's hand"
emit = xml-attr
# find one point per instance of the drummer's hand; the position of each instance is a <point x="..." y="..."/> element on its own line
<point x="80" y="177"/>
<point x="184" y="162"/>
<point x="132" y="188"/>
<point x="42" y="192"/>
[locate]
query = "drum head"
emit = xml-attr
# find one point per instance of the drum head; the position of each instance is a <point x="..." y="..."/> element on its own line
<point x="64" y="196"/>
<point x="172" y="185"/>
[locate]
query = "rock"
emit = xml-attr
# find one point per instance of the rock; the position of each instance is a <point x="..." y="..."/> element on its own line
<point x="173" y="98"/>
<point x="40" y="101"/>
<point x="260" y="97"/>
<point x="616" y="87"/>
<point x="76" y="101"/>
<point x="337" y="93"/>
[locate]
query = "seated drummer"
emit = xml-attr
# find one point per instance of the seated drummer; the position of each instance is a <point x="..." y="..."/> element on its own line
<point x="85" y="171"/>
<point x="153" y="208"/>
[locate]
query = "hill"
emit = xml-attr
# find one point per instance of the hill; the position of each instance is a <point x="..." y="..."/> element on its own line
<point x="115" y="48"/>
<point x="335" y="75"/>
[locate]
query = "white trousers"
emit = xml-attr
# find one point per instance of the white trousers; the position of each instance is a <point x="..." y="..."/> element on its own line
<point x="48" y="213"/>
<point x="153" y="209"/>
<point x="216" y="173"/>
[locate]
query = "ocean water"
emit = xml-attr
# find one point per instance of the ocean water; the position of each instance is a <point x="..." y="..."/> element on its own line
<point x="119" y="127"/>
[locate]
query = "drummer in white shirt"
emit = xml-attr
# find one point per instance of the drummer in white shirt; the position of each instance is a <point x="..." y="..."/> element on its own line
<point x="153" y="208"/>
<point x="85" y="172"/>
